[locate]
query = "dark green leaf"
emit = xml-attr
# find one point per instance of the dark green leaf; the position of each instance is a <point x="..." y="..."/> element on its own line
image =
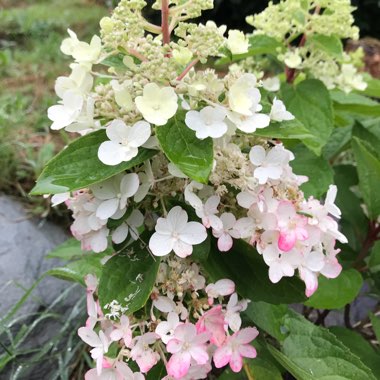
<point x="292" y="129"/>
<point x="129" y="278"/>
<point x="369" y="176"/>
<point x="338" y="292"/>
<point x="341" y="97"/>
<point x="310" y="103"/>
<point x="78" y="166"/>
<point x="345" y="178"/>
<point x="332" y="45"/>
<point x="375" y="320"/>
<point x="247" y="269"/>
<point x="338" y="140"/>
<point x="360" y="347"/>
<point x="374" y="259"/>
<point x="318" y="170"/>
<point x="373" y="142"/>
<point x="191" y="155"/>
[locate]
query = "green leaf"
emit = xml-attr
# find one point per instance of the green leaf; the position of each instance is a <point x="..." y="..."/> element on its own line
<point x="360" y="347"/>
<point x="338" y="292"/>
<point x="375" y="325"/>
<point x="345" y="178"/>
<point x="310" y="103"/>
<point x="129" y="278"/>
<point x="319" y="171"/>
<point x="374" y="258"/>
<point x="259" y="44"/>
<point x="310" y="352"/>
<point x="338" y="140"/>
<point x="115" y="61"/>
<point x="292" y="129"/>
<point x="329" y="44"/>
<point x="77" y="270"/>
<point x="373" y="87"/>
<point x="341" y="97"/>
<point x="243" y="265"/>
<point x="268" y="318"/>
<point x="369" y="176"/>
<point x="68" y="250"/>
<point x="373" y="142"/>
<point x="191" y="155"/>
<point x="78" y="166"/>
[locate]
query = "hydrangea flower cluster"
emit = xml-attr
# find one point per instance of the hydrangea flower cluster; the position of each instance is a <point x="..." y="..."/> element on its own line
<point x="317" y="27"/>
<point x="208" y="173"/>
<point x="190" y="325"/>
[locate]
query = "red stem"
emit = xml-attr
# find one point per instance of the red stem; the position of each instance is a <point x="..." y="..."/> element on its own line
<point x="372" y="236"/>
<point x="165" y="22"/>
<point x="188" y="68"/>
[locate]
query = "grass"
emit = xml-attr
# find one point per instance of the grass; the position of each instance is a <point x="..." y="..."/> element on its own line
<point x="30" y="60"/>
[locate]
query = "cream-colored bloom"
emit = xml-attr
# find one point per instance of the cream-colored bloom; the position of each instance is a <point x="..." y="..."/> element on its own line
<point x="157" y="105"/>
<point x="122" y="95"/>
<point x="237" y="42"/>
<point x="243" y="94"/>
<point x="80" y="81"/>
<point x="293" y="59"/>
<point x="182" y="55"/>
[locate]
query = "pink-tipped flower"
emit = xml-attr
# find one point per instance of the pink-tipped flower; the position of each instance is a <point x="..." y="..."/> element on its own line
<point x="122" y="331"/>
<point x="213" y="322"/>
<point x="142" y="354"/>
<point x="236" y="347"/>
<point x="291" y="225"/>
<point x="186" y="345"/>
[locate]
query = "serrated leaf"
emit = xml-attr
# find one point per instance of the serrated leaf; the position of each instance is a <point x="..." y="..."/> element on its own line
<point x="317" y="169"/>
<point x="310" y="352"/>
<point x="129" y="278"/>
<point x="341" y="97"/>
<point x="310" y="103"/>
<point x="192" y="156"/>
<point x="369" y="176"/>
<point x="78" y="166"/>
<point x="243" y="265"/>
<point x="338" y="140"/>
<point x="360" y="347"/>
<point x="337" y="292"/>
<point x="332" y="45"/>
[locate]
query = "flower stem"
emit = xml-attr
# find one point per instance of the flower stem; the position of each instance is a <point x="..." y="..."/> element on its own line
<point x="188" y="68"/>
<point x="165" y="22"/>
<point x="248" y="372"/>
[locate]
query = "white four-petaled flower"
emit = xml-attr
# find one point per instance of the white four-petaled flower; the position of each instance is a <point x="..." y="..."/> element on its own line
<point x="157" y="105"/>
<point x="175" y="233"/>
<point x="124" y="141"/>
<point x="208" y="122"/>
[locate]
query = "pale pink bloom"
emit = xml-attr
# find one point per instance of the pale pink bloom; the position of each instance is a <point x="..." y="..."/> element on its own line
<point x="332" y="268"/>
<point x="99" y="343"/>
<point x="232" y="315"/>
<point x="185" y="345"/>
<point x="94" y="241"/>
<point x="91" y="283"/>
<point x="291" y="225"/>
<point x="278" y="111"/>
<point x="207" y="212"/>
<point x="213" y="322"/>
<point x="92" y="311"/>
<point x="175" y="233"/>
<point x="221" y="288"/>
<point x="236" y="348"/>
<point x="122" y="331"/>
<point x="164" y="304"/>
<point x="142" y="354"/>
<point x="119" y="371"/>
<point x="225" y="234"/>
<point x="280" y="263"/>
<point x="313" y="262"/>
<point x="196" y="372"/>
<point x="57" y="199"/>
<point x="269" y="165"/>
<point x="166" y="329"/>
